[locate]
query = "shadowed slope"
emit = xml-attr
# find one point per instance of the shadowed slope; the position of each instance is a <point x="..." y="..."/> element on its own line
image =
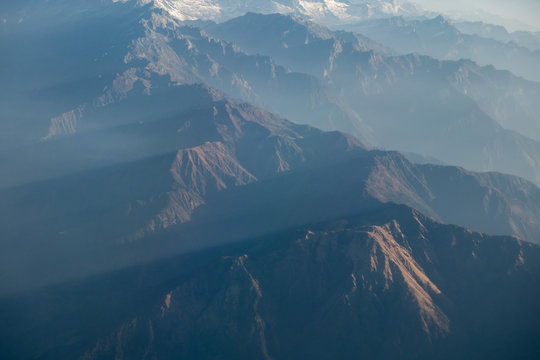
<point x="384" y="285"/>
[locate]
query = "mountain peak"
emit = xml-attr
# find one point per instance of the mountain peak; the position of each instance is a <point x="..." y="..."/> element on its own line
<point x="440" y="19"/>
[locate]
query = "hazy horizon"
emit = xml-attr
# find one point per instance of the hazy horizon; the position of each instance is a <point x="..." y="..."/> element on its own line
<point x="520" y="15"/>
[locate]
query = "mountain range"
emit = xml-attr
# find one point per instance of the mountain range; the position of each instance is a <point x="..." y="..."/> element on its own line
<point x="381" y="284"/>
<point x="346" y="298"/>
<point x="176" y="187"/>
<point x="471" y="106"/>
<point x="151" y="120"/>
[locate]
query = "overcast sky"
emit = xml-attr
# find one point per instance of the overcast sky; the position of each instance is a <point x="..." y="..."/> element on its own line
<point x="508" y="12"/>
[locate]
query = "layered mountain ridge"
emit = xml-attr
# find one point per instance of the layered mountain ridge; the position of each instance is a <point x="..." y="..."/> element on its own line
<point x="165" y="194"/>
<point x="221" y="164"/>
<point x="173" y="155"/>
<point x="410" y="103"/>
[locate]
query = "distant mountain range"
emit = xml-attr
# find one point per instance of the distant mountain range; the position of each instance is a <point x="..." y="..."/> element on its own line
<point x="526" y="39"/>
<point x="410" y="103"/>
<point x="470" y="103"/>
<point x="439" y="38"/>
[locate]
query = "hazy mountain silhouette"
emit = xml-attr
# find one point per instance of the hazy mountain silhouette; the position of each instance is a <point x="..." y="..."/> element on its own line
<point x="454" y="111"/>
<point x="439" y="38"/>
<point x="530" y="40"/>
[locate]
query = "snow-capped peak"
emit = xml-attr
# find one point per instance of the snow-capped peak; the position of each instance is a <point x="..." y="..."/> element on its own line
<point x="324" y="11"/>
